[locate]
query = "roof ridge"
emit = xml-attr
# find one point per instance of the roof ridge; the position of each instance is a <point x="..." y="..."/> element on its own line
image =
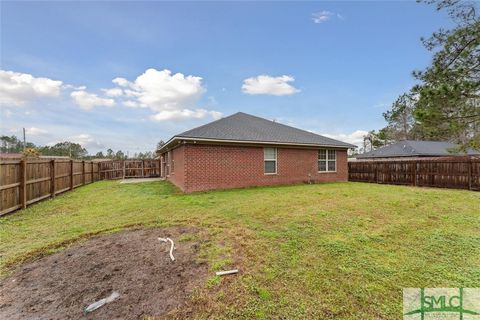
<point x="286" y="125"/>
<point x="206" y="124"/>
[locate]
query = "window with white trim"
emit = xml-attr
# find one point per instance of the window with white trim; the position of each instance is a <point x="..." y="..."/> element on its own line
<point x="327" y="160"/>
<point x="270" y="160"/>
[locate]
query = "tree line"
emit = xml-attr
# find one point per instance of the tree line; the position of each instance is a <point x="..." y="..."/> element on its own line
<point x="11" y="144"/>
<point x="444" y="104"/>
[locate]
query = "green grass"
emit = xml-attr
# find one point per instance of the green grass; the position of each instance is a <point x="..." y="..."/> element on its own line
<point x="340" y="250"/>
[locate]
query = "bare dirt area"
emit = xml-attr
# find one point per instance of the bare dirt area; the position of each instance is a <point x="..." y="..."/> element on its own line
<point x="133" y="263"/>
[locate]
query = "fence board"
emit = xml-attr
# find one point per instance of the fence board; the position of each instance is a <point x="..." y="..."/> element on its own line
<point x="459" y="173"/>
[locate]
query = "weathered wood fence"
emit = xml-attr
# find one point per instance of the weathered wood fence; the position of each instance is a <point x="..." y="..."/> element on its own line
<point x="121" y="169"/>
<point x="455" y="173"/>
<point x="23" y="182"/>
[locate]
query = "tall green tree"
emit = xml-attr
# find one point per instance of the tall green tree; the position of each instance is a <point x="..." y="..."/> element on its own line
<point x="119" y="155"/>
<point x="11" y="144"/>
<point x="401" y="124"/>
<point x="445" y="104"/>
<point x="374" y="140"/>
<point x="110" y="154"/>
<point x="448" y="106"/>
<point x="66" y="148"/>
<point x="99" y="155"/>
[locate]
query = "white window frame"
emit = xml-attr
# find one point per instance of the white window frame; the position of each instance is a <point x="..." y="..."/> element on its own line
<point x="274" y="159"/>
<point x="327" y="160"/>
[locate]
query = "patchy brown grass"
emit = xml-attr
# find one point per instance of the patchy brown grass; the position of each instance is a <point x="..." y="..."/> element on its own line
<point x="341" y="250"/>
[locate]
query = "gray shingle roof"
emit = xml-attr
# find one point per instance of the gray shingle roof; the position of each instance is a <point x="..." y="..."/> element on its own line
<point x="412" y="148"/>
<point x="245" y="127"/>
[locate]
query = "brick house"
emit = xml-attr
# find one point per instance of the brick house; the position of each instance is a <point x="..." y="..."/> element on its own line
<point x="242" y="150"/>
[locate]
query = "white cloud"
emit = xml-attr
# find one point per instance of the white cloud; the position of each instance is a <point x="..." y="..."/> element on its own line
<point x="162" y="90"/>
<point x="88" y="100"/>
<point x="185" y="114"/>
<point x="131" y="104"/>
<point x="84" y="139"/>
<point x="170" y="96"/>
<point x="114" y="92"/>
<point x="72" y="87"/>
<point x="265" y="84"/>
<point x="122" y="82"/>
<point x="355" y="137"/>
<point x="17" y="89"/>
<point x="33" y="131"/>
<point x="325" y="15"/>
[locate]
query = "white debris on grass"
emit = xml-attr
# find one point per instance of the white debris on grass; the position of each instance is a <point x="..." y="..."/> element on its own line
<point x="224" y="273"/>
<point x="94" y="306"/>
<point x="172" y="245"/>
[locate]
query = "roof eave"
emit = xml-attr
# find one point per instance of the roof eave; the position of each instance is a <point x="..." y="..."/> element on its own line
<point x="168" y="146"/>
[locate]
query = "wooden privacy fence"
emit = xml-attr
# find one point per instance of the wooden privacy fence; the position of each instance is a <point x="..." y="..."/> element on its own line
<point x="455" y="173"/>
<point x="121" y="169"/>
<point x="23" y="182"/>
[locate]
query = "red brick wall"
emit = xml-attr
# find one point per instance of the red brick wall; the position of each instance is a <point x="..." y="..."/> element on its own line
<point x="177" y="175"/>
<point x="209" y="167"/>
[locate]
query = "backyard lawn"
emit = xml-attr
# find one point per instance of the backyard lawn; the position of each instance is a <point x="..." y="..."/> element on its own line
<point x="339" y="250"/>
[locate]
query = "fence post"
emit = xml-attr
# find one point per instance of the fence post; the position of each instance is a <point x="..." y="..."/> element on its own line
<point x="52" y="181"/>
<point x="143" y="168"/>
<point x="469" y="163"/>
<point x="91" y="175"/>
<point x="123" y="169"/>
<point x="23" y="184"/>
<point x="376" y="172"/>
<point x="160" y="166"/>
<point x="83" y="172"/>
<point x="415" y="173"/>
<point x="71" y="174"/>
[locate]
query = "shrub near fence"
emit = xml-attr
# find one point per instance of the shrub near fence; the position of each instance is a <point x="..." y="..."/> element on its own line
<point x="455" y="173"/>
<point x="23" y="182"/>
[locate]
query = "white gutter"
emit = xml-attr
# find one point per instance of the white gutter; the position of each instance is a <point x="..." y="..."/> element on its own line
<point x="251" y="142"/>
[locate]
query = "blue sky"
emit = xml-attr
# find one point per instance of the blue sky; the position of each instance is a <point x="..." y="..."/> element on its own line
<point x="328" y="67"/>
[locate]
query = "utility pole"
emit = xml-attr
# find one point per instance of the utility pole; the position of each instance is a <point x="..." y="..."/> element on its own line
<point x="24" y="140"/>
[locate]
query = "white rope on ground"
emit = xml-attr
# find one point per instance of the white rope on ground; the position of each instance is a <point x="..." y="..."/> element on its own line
<point x="172" y="245"/>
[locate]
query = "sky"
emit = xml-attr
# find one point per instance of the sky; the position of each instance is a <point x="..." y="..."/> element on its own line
<point x="125" y="75"/>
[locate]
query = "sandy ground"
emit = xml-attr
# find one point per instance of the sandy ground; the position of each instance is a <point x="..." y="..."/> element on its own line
<point x="134" y="263"/>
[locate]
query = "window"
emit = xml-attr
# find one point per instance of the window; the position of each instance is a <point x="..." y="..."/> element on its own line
<point x="270" y="160"/>
<point x="327" y="160"/>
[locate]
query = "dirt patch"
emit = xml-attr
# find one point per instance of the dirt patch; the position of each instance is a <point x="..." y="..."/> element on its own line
<point x="133" y="263"/>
